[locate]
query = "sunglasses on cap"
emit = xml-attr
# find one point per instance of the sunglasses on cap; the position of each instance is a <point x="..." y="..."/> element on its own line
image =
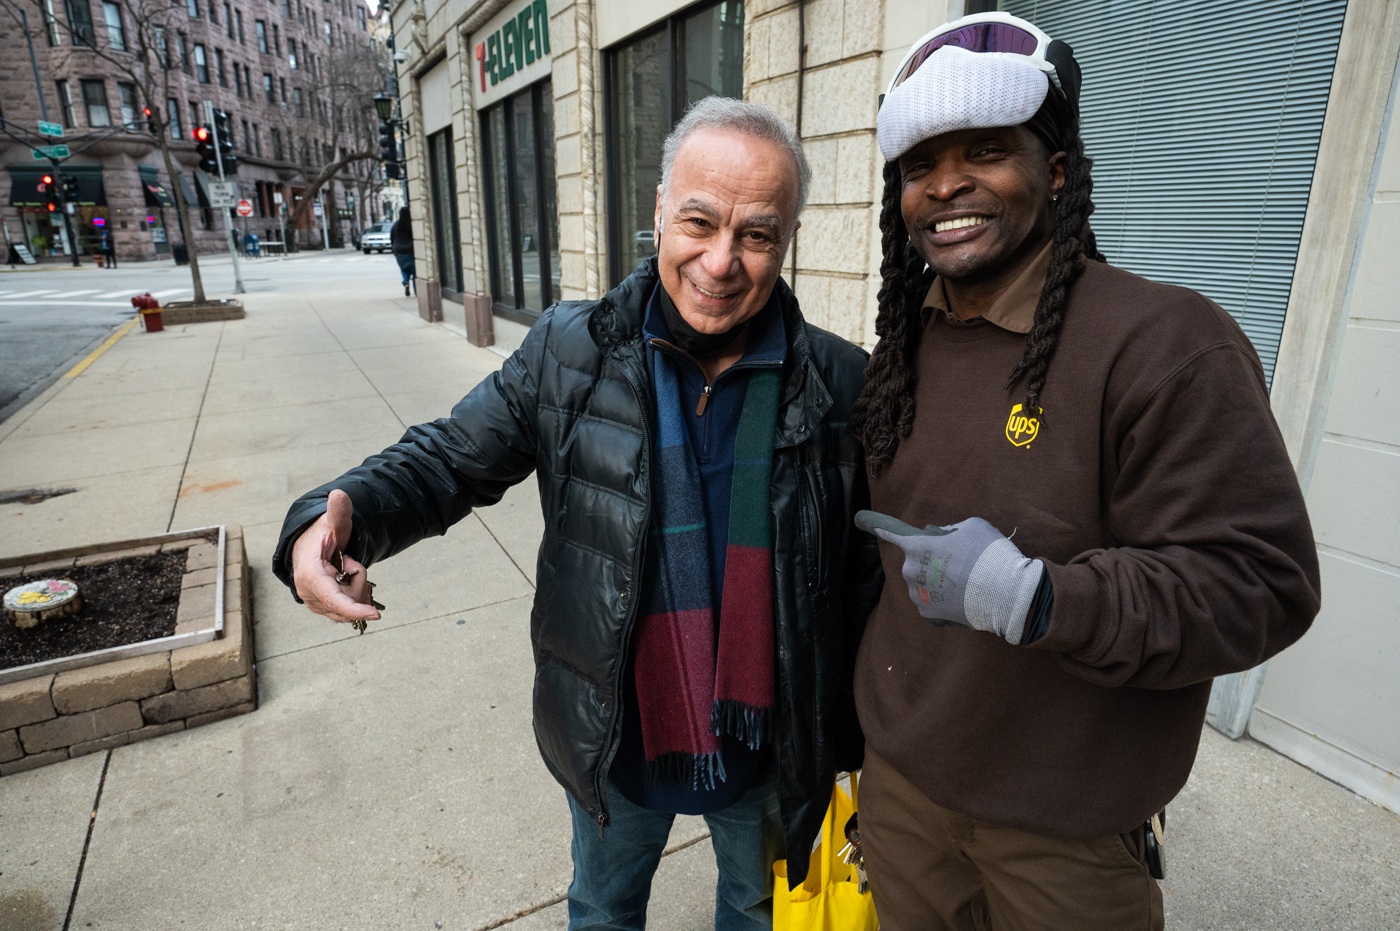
<point x="999" y="33"/>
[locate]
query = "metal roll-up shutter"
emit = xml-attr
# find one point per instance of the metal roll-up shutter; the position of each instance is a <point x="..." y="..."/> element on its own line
<point x="1203" y="125"/>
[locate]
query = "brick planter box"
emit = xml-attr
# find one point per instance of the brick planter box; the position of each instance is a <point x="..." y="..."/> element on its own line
<point x="204" y="672"/>
<point x="180" y="312"/>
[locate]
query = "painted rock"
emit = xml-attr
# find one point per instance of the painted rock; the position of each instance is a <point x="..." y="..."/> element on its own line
<point x="35" y="602"/>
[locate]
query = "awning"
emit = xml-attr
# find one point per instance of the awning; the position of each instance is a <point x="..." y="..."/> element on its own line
<point x="155" y="193"/>
<point x="24" y="185"/>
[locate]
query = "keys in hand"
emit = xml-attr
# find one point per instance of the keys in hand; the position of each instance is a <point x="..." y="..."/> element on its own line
<point x="330" y="582"/>
<point x="852" y="855"/>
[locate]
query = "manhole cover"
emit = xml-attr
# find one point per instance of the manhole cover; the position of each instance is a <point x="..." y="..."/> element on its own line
<point x="34" y="602"/>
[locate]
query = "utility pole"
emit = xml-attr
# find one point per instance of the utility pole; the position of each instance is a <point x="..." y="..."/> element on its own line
<point x="228" y="211"/>
<point x="325" y="221"/>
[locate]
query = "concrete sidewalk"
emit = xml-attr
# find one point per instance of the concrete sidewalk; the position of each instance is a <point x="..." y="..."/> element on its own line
<point x="392" y="780"/>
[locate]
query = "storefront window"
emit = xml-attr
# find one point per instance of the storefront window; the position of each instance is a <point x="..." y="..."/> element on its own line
<point x="446" y="235"/>
<point x="522" y="215"/>
<point x="651" y="82"/>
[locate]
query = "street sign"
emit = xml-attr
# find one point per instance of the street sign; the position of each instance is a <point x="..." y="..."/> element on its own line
<point x="222" y="194"/>
<point x="317" y="209"/>
<point x="245" y="208"/>
<point x="50" y="129"/>
<point x="50" y="151"/>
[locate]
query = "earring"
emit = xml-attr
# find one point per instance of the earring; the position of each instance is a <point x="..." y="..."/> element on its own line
<point x="1054" y="198"/>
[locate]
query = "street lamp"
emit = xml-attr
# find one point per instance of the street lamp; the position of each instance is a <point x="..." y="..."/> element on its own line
<point x="384" y="106"/>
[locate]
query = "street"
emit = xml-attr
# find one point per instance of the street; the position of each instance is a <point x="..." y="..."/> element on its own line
<point x="52" y="315"/>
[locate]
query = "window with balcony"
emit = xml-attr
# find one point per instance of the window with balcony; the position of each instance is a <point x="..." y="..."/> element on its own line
<point x="116" y="35"/>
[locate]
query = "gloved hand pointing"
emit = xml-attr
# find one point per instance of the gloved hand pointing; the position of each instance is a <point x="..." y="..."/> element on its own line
<point x="966" y="573"/>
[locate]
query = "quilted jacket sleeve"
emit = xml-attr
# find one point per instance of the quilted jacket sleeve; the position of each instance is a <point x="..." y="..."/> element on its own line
<point x="439" y="471"/>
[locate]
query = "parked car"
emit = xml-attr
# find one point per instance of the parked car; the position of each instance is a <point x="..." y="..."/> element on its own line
<point x="375" y="238"/>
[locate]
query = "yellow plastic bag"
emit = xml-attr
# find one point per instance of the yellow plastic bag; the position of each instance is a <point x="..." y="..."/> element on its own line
<point x="829" y="899"/>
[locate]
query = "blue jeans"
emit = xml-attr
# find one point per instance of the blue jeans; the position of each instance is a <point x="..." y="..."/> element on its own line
<point x="613" y="873"/>
<point x="406" y="266"/>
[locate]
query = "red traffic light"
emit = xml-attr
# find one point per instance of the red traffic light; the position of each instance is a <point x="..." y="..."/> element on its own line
<point x="47" y="179"/>
<point x="201" y="134"/>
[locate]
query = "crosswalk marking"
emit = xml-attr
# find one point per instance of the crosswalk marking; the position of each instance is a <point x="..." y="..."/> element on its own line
<point x="124" y="292"/>
<point x="169" y="293"/>
<point x="52" y="297"/>
<point x="11" y="297"/>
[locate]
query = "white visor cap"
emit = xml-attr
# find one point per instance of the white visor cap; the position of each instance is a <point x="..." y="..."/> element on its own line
<point x="957" y="89"/>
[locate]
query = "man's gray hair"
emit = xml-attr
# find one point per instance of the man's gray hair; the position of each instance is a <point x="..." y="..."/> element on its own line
<point x="751" y="119"/>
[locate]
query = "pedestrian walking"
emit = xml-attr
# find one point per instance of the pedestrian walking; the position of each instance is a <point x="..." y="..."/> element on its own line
<point x="701" y="586"/>
<point x="401" y="240"/>
<point x="109" y="248"/>
<point x="1086" y="510"/>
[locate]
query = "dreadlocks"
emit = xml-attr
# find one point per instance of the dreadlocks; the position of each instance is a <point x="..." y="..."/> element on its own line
<point x="884" y="412"/>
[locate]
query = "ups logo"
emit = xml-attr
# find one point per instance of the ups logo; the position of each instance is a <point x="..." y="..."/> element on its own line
<point x="1020" y="429"/>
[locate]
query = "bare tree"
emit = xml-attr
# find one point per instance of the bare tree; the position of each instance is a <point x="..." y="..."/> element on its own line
<point x="145" y="59"/>
<point x="341" y="95"/>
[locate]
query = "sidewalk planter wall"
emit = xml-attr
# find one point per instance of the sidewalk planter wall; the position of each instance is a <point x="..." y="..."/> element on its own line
<point x="202" y="673"/>
<point x="177" y="313"/>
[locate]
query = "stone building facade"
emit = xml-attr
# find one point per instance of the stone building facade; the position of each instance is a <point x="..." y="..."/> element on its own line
<point x="268" y="64"/>
<point x="1258" y="173"/>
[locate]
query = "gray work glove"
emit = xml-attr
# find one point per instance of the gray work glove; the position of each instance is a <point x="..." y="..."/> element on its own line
<point x="966" y="573"/>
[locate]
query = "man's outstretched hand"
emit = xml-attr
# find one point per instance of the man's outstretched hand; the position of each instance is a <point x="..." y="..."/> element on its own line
<point x="316" y="561"/>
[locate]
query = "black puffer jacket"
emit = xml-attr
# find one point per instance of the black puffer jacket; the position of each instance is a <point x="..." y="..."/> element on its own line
<point x="574" y="405"/>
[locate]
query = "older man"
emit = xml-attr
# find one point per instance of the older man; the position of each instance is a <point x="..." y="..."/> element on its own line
<point x="700" y="589"/>
<point x="1088" y="514"/>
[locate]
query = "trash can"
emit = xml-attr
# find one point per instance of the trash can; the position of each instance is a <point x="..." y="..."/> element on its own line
<point x="181" y="253"/>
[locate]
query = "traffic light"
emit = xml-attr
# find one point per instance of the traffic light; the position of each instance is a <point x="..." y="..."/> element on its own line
<point x="223" y="130"/>
<point x="150" y="123"/>
<point x="204" y="146"/>
<point x="70" y="190"/>
<point x="53" y="199"/>
<point x="388" y="150"/>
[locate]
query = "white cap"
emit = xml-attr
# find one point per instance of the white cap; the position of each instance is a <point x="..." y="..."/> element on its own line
<point x="957" y="89"/>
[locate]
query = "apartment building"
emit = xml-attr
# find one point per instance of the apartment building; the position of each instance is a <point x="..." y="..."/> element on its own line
<point x="274" y="65"/>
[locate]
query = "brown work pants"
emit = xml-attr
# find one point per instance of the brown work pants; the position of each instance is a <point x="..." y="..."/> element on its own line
<point x="933" y="869"/>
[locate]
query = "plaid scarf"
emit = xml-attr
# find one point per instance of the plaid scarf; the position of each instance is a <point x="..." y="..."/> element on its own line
<point x="691" y="693"/>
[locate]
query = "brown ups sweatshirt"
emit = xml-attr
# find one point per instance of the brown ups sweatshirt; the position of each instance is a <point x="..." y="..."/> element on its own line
<point x="1157" y="491"/>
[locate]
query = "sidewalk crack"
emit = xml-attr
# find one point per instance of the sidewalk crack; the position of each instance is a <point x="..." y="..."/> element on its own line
<point x="87" y="841"/>
<point x="195" y="432"/>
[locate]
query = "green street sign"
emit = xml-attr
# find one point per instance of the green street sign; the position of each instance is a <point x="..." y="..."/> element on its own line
<point x="50" y="129"/>
<point x="50" y="151"/>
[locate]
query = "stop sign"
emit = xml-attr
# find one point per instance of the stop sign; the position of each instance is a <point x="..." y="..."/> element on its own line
<point x="245" y="208"/>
